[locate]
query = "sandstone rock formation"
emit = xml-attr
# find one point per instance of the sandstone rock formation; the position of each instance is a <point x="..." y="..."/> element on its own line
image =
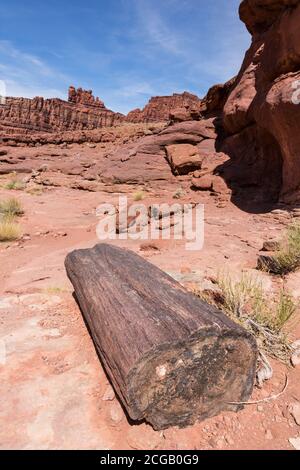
<point x="159" y="108"/>
<point x="81" y="112"/>
<point x="262" y="113"/>
<point x="84" y="97"/>
<point x="245" y="131"/>
<point x="183" y="158"/>
<point x="255" y="116"/>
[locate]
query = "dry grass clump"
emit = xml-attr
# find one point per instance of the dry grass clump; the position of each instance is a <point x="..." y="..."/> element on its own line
<point x="179" y="193"/>
<point x="11" y="207"/>
<point x="15" y="183"/>
<point x="246" y="302"/>
<point x="35" y="190"/>
<point x="52" y="290"/>
<point x="287" y="258"/>
<point x="9" y="230"/>
<point x="138" y="196"/>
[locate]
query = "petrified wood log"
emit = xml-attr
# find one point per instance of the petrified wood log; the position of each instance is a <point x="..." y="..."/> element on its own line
<point x="171" y="357"/>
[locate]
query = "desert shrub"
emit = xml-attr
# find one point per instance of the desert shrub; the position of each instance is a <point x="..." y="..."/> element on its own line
<point x="9" y="230"/>
<point x="264" y="315"/>
<point x="178" y="194"/>
<point x="284" y="310"/>
<point x="35" y="191"/>
<point x="11" y="207"/>
<point x="288" y="257"/>
<point x="15" y="183"/>
<point x="51" y="290"/>
<point x="138" y="196"/>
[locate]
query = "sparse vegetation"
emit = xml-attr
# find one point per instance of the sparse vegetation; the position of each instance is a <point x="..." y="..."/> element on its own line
<point x="52" y="290"/>
<point x="11" y="207"/>
<point x="178" y="194"/>
<point x="138" y="196"/>
<point x="264" y="315"/>
<point x="9" y="210"/>
<point x="35" y="191"/>
<point x="287" y="259"/>
<point x="9" y="230"/>
<point x="15" y="183"/>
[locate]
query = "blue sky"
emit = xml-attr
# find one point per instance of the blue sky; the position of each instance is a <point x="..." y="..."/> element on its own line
<point x="125" y="50"/>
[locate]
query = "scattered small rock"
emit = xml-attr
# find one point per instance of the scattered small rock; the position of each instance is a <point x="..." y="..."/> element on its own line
<point x="204" y="183"/>
<point x="60" y="234"/>
<point x="269" y="435"/>
<point x="116" y="413"/>
<point x="109" y="394"/>
<point x="229" y="440"/>
<point x="295" y="442"/>
<point x="295" y="412"/>
<point x="295" y="358"/>
<point x="149" y="246"/>
<point x="271" y="245"/>
<point x="217" y="443"/>
<point x="143" y="437"/>
<point x="43" y="168"/>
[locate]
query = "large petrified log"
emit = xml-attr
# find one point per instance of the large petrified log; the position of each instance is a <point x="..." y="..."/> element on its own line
<point x="171" y="357"/>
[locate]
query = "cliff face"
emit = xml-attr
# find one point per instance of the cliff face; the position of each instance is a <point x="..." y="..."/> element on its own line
<point x="255" y="144"/>
<point x="262" y="112"/>
<point x="84" y="97"/>
<point x="81" y="112"/>
<point x="159" y="108"/>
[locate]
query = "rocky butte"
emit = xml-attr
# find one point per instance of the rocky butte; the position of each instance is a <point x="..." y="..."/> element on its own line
<point x="81" y="112"/>
<point x="159" y="108"/>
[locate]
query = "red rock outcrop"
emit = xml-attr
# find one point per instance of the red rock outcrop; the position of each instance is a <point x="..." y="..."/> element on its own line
<point x="81" y="112"/>
<point x="262" y="113"/>
<point x="84" y="97"/>
<point x="245" y="131"/>
<point x="255" y="116"/>
<point x="159" y="108"/>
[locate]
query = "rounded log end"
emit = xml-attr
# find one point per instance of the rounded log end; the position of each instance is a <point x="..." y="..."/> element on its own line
<point x="177" y="385"/>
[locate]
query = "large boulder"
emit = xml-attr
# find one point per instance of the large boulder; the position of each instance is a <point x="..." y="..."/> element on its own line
<point x="183" y="158"/>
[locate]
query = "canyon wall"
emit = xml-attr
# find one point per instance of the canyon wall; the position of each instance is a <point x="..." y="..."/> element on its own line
<point x="160" y="108"/>
<point x="81" y="112"/>
<point x="261" y="116"/>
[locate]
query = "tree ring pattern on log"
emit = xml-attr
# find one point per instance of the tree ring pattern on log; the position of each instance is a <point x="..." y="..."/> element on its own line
<point x="193" y="380"/>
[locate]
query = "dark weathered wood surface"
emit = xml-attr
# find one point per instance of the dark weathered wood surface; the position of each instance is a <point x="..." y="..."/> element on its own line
<point x="171" y="357"/>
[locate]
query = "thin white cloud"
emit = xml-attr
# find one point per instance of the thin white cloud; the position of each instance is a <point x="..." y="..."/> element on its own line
<point x="156" y="29"/>
<point x="228" y="40"/>
<point x="27" y="75"/>
<point x="8" y="50"/>
<point x="133" y="90"/>
<point x="17" y="89"/>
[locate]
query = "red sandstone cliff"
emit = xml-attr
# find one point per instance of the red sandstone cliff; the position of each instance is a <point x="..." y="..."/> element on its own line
<point x="81" y="112"/>
<point x="248" y="141"/>
<point x="262" y="113"/>
<point x="159" y="108"/>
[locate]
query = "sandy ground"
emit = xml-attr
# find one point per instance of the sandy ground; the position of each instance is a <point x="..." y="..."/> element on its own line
<point x="54" y="392"/>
